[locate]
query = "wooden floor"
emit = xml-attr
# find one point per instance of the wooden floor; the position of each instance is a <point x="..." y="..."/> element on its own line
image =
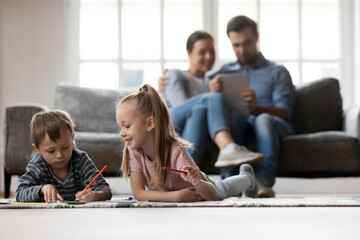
<point x="181" y="223"/>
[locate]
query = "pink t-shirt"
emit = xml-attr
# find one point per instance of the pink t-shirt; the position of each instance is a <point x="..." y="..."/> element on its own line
<point x="179" y="158"/>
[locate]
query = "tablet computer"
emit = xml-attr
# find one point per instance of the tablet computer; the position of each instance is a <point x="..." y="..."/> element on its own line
<point x="234" y="84"/>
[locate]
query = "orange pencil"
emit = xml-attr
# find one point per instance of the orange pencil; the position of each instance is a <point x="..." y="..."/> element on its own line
<point x="97" y="175"/>
<point x="174" y="170"/>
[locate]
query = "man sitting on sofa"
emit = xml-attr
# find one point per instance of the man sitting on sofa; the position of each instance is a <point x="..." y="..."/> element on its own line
<point x="270" y="100"/>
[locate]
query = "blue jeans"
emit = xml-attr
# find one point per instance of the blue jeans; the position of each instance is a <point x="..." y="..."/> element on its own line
<point x="197" y="118"/>
<point x="267" y="129"/>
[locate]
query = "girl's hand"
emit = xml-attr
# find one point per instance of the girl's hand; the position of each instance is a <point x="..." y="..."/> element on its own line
<point x="203" y="187"/>
<point x="193" y="176"/>
<point x="85" y="196"/>
<point x="50" y="193"/>
<point x="188" y="195"/>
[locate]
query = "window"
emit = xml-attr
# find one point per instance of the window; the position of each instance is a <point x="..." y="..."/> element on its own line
<point x="302" y="35"/>
<point x="124" y="43"/>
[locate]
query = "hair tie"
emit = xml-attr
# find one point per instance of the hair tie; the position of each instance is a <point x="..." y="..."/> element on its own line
<point x="144" y="89"/>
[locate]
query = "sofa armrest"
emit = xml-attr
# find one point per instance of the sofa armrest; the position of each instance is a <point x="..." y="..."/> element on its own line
<point x="15" y="137"/>
<point x="351" y="123"/>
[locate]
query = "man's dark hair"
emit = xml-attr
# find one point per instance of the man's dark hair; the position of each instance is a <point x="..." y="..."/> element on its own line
<point x="196" y="36"/>
<point x="240" y="23"/>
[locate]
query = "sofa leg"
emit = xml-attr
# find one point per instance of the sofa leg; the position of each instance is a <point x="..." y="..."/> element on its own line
<point x="7" y="184"/>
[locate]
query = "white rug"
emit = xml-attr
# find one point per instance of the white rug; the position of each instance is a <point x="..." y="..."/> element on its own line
<point x="327" y="201"/>
<point x="297" y="202"/>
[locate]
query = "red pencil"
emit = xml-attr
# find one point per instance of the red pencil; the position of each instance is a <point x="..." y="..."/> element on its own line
<point x="174" y="170"/>
<point x="97" y="175"/>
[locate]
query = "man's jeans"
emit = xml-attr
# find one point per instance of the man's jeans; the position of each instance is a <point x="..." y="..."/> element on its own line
<point x="267" y="130"/>
<point x="197" y="118"/>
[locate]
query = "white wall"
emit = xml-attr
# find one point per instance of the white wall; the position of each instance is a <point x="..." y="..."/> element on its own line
<point x="32" y="51"/>
<point x="357" y="53"/>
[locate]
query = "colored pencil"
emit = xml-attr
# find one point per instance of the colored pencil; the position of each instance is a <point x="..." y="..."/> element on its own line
<point x="174" y="170"/>
<point x="97" y="175"/>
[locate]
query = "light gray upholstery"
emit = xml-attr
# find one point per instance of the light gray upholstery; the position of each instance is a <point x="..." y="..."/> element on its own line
<point x="351" y="123"/>
<point x="16" y="141"/>
<point x="96" y="131"/>
<point x="92" y="110"/>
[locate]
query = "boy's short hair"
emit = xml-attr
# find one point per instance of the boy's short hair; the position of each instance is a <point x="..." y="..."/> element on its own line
<point x="50" y="122"/>
<point x="240" y="23"/>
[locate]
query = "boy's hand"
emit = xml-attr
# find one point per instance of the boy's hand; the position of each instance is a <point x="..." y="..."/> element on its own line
<point x="50" y="193"/>
<point x="85" y="196"/>
<point x="193" y="176"/>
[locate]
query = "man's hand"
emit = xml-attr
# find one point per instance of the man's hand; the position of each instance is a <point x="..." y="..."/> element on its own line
<point x="216" y="85"/>
<point x="162" y="81"/>
<point x="50" y="193"/>
<point x="249" y="100"/>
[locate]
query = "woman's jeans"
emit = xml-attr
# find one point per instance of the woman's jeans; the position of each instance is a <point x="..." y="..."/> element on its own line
<point x="267" y="130"/>
<point x="197" y="118"/>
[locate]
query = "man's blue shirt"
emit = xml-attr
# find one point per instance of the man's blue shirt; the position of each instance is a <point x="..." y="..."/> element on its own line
<point x="271" y="82"/>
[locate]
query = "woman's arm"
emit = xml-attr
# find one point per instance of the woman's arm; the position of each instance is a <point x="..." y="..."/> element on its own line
<point x="140" y="194"/>
<point x="177" y="89"/>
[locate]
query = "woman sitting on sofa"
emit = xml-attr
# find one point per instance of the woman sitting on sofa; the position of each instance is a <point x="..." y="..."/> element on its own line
<point x="197" y="113"/>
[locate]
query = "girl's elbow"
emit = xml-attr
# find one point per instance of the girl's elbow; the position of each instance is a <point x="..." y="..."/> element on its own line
<point x="213" y="195"/>
<point x="210" y="194"/>
<point x="138" y="195"/>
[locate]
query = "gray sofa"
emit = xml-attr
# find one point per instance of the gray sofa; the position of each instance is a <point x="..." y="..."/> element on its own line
<point x="327" y="139"/>
<point x="327" y="142"/>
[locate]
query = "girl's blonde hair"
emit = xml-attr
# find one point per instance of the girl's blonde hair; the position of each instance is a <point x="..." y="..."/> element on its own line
<point x="149" y="103"/>
<point x="50" y="122"/>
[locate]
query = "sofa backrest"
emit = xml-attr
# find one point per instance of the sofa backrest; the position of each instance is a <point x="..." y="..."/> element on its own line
<point x="318" y="106"/>
<point x="92" y="110"/>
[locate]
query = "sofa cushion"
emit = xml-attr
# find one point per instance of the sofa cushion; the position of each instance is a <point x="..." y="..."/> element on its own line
<point x="318" y="106"/>
<point x="327" y="153"/>
<point x="103" y="148"/>
<point x="92" y="110"/>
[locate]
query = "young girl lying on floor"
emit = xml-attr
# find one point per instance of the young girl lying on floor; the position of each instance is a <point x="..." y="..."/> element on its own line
<point x="151" y="144"/>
